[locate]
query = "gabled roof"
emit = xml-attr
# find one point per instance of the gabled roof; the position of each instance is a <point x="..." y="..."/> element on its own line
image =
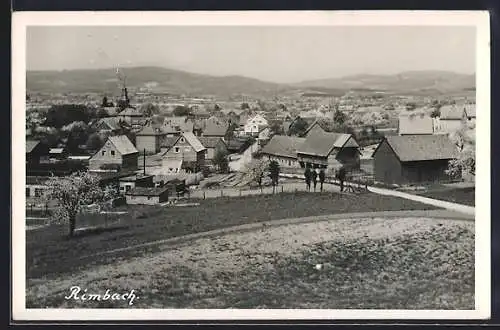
<point x="210" y="141"/>
<point x="193" y="141"/>
<point x="322" y="143"/>
<point x="170" y="124"/>
<point x="149" y="130"/>
<point x="409" y="125"/>
<point x="123" y="144"/>
<point x="451" y="112"/>
<point x="168" y="141"/>
<point x="315" y="123"/>
<point x="282" y="145"/>
<point x="421" y="147"/>
<point x="111" y="122"/>
<point x="132" y="112"/>
<point x="215" y="128"/>
<point x="30" y="145"/>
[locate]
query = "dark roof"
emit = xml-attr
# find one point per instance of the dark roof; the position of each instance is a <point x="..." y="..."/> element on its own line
<point x="169" y="141"/>
<point x="36" y="179"/>
<point x="146" y="191"/>
<point x="315" y="123"/>
<point x="238" y="145"/>
<point x="30" y="145"/>
<point x="209" y="141"/>
<point x="281" y="145"/>
<point x="215" y="128"/>
<point x="322" y="143"/>
<point x="410" y="148"/>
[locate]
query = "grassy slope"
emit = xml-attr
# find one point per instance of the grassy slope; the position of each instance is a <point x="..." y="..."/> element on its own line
<point x="465" y="196"/>
<point x="49" y="252"/>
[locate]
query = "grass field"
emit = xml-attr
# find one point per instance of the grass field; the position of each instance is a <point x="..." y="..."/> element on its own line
<point x="458" y="195"/>
<point x="403" y="263"/>
<point x="49" y="252"/>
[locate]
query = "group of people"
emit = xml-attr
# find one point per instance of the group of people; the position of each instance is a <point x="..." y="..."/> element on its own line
<point x="312" y="176"/>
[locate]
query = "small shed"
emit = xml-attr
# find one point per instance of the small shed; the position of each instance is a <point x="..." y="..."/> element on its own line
<point x="147" y="195"/>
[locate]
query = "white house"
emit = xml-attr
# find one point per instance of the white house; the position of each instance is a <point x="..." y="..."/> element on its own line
<point x="254" y="124"/>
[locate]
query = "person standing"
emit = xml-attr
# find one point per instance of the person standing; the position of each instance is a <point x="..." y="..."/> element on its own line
<point x="341" y="177"/>
<point x="321" y="178"/>
<point x="314" y="175"/>
<point x="307" y="176"/>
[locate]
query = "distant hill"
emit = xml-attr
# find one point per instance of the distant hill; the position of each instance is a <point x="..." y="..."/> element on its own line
<point x="154" y="78"/>
<point x="411" y="82"/>
<point x="159" y="79"/>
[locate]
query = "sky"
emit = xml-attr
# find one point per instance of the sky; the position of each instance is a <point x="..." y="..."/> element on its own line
<point x="278" y="54"/>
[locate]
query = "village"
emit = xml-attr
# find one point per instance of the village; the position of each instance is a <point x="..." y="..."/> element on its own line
<point x="197" y="150"/>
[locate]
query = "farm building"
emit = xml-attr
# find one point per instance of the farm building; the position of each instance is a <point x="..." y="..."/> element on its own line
<point x="177" y="125"/>
<point x="147" y="196"/>
<point x="117" y="153"/>
<point x="254" y="124"/>
<point x="329" y="150"/>
<point x="149" y="139"/>
<point x="283" y="149"/>
<point x="131" y="116"/>
<point x="187" y="149"/>
<point x="413" y="159"/>
<point x="129" y="182"/>
<point x="314" y="128"/>
<point x="212" y="144"/>
<point x="36" y="153"/>
<point x="215" y="128"/>
<point x="451" y="118"/>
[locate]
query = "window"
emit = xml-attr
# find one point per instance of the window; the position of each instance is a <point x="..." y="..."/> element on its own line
<point x="103" y="152"/>
<point x="27" y="192"/>
<point x="170" y="169"/>
<point x="149" y="197"/>
<point x="176" y="149"/>
<point x="128" y="187"/>
<point x="289" y="163"/>
<point x="182" y="140"/>
<point x="112" y="152"/>
<point x="38" y="192"/>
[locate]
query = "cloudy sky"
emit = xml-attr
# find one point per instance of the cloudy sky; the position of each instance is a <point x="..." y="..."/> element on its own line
<point x="279" y="54"/>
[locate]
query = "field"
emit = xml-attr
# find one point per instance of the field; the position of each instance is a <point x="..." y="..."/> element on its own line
<point x="50" y="253"/>
<point x="399" y="263"/>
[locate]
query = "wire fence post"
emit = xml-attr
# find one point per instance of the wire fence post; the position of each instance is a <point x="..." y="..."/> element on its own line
<point x="282" y="188"/>
<point x="221" y="194"/>
<point x="240" y="192"/>
<point x="204" y="197"/>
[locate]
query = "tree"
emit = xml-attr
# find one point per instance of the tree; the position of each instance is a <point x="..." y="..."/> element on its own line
<point x="149" y="109"/>
<point x="63" y="114"/>
<point x="298" y="127"/>
<point x="94" y="142"/>
<point x="410" y="106"/>
<point x="72" y="193"/>
<point x="104" y="102"/>
<point x="339" y="117"/>
<point x="181" y="111"/>
<point x="244" y="106"/>
<point x="436" y="112"/>
<point x="220" y="161"/>
<point x="276" y="128"/>
<point x="77" y="133"/>
<point x="466" y="160"/>
<point x="255" y="170"/>
<point x="274" y="173"/>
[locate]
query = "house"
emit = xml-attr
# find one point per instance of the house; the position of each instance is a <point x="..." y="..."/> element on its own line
<point x="117" y="153"/>
<point x="413" y="159"/>
<point x="131" y="116"/>
<point x="176" y="125"/>
<point x="415" y="125"/>
<point x="213" y="145"/>
<point x="314" y="128"/>
<point x="329" y="150"/>
<point x="147" y="196"/>
<point x="254" y="124"/>
<point x="36" y="186"/>
<point x="129" y="182"/>
<point x="58" y="153"/>
<point x="107" y="125"/>
<point x="36" y="153"/>
<point x="264" y="135"/>
<point x="215" y="127"/>
<point x="149" y="139"/>
<point x="451" y="118"/>
<point x="283" y="149"/>
<point x="188" y="150"/>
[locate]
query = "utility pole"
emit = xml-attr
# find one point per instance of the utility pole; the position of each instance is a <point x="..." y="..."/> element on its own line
<point x="144" y="162"/>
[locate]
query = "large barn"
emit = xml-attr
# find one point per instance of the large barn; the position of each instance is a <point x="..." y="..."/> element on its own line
<point x="413" y="159"/>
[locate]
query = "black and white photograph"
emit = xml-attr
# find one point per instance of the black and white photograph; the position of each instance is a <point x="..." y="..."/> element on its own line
<point x="306" y="165"/>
